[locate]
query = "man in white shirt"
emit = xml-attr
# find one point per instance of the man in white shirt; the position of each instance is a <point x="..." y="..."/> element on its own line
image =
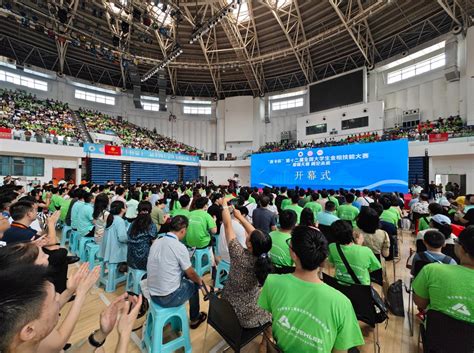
<point x="168" y="263"/>
<point x="364" y="199"/>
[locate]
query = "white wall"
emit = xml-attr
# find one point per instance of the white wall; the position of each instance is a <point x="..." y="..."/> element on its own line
<point x="333" y="118"/>
<point x="462" y="164"/>
<point x="220" y="171"/>
<point x="239" y="115"/>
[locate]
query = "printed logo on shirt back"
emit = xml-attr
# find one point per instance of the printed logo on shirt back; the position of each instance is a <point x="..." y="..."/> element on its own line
<point x="461" y="309"/>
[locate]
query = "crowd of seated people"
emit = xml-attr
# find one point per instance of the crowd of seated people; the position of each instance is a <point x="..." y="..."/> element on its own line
<point x="453" y="125"/>
<point x="133" y="136"/>
<point x="274" y="240"/>
<point x="36" y="118"/>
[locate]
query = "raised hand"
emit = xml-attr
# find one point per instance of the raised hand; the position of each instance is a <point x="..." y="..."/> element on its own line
<point x="108" y="317"/>
<point x="53" y="219"/>
<point x="129" y="314"/>
<point x="88" y="281"/>
<point x="78" y="277"/>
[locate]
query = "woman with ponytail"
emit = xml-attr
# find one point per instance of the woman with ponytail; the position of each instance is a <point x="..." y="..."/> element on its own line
<point x="248" y="270"/>
<point x="141" y="234"/>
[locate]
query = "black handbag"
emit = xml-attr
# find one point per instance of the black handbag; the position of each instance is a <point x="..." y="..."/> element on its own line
<point x="381" y="311"/>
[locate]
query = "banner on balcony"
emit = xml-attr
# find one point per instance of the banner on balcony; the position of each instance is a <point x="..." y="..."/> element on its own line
<point x="438" y="137"/>
<point x="112" y="150"/>
<point x="94" y="148"/>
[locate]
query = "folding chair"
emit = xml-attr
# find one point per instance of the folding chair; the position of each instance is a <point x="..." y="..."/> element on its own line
<point x="444" y="334"/>
<point x="411" y="304"/>
<point x="361" y="299"/>
<point x="222" y="318"/>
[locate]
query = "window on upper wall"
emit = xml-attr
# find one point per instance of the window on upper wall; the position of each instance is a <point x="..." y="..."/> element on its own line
<point x="289" y="100"/>
<point x="197" y="109"/>
<point x="25" y="81"/>
<point x="21" y="166"/>
<point x="151" y="106"/>
<point x="355" y="123"/>
<point x="94" y="97"/>
<point x="316" y="129"/>
<point x="419" y="68"/>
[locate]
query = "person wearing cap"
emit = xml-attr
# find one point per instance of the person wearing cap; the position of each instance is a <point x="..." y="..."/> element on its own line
<point x="467" y="219"/>
<point x="441" y="223"/>
<point x="449" y="289"/>
<point x="424" y="222"/>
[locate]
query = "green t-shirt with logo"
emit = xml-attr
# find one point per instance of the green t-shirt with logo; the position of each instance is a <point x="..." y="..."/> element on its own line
<point x="182" y="212"/>
<point x="450" y="289"/>
<point x="280" y="251"/>
<point x="348" y="213"/>
<point x="309" y="317"/>
<point x="361" y="259"/>
<point x="297" y="209"/>
<point x="200" y="222"/>
<point x="314" y="206"/>
<point x="285" y="203"/>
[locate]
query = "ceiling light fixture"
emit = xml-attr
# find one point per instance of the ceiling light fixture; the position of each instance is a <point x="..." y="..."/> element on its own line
<point x="198" y="32"/>
<point x="177" y="51"/>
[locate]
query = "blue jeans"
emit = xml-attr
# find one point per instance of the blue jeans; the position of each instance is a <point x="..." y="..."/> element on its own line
<point x="187" y="290"/>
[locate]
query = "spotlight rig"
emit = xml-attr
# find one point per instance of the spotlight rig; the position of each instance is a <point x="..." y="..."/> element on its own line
<point x="177" y="51"/>
<point x="213" y="21"/>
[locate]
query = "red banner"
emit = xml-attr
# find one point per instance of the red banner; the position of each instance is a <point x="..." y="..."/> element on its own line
<point x="438" y="137"/>
<point x="112" y="150"/>
<point x="5" y="133"/>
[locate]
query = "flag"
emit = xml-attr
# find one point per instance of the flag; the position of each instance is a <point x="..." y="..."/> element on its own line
<point x="113" y="150"/>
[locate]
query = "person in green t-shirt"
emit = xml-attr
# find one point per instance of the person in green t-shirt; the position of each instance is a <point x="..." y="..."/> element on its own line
<point x="333" y="198"/>
<point x="56" y="200"/>
<point x="159" y="217"/>
<point x="388" y="215"/>
<point x="313" y="205"/>
<point x="174" y="203"/>
<point x="201" y="225"/>
<point x="280" y="252"/>
<point x="360" y="258"/>
<point x="184" y="202"/>
<point x="347" y="212"/>
<point x="294" y="207"/>
<point x="449" y="288"/>
<point x="308" y="315"/>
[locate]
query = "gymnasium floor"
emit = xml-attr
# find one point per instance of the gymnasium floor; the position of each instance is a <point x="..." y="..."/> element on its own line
<point x="394" y="338"/>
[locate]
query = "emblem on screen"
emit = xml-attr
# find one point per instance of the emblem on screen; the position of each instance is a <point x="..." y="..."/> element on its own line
<point x="320" y="152"/>
<point x="300" y="154"/>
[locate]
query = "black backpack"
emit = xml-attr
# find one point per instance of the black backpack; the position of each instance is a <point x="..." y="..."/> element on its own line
<point x="394" y="298"/>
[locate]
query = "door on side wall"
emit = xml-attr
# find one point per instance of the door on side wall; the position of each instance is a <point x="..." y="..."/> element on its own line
<point x="58" y="174"/>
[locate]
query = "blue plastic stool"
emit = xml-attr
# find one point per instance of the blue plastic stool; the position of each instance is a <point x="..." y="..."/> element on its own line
<point x="74" y="242"/>
<point x="83" y="241"/>
<point x="65" y="235"/>
<point x="134" y="277"/>
<point x="158" y="317"/>
<point x="110" y="276"/>
<point x="223" y="270"/>
<point x="216" y="244"/>
<point x="91" y="254"/>
<point x="200" y="266"/>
